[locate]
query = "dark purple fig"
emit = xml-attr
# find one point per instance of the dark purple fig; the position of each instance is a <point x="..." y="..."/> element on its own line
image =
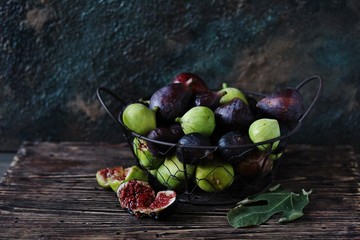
<point x="252" y="105"/>
<point x="231" y="146"/>
<point x="193" y="147"/>
<point x="235" y="115"/>
<point x="170" y="101"/>
<point x="162" y="134"/>
<point x="192" y="81"/>
<point x="176" y="129"/>
<point x="139" y="199"/>
<point x="210" y="99"/>
<point x="285" y="105"/>
<point x="255" y="164"/>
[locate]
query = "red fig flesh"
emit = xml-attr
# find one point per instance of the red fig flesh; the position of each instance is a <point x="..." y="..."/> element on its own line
<point x="139" y="199"/>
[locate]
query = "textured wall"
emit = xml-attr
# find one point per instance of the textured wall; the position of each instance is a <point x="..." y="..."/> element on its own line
<point x="54" y="54"/>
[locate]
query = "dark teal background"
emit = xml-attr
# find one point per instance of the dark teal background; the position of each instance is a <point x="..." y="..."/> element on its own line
<point x="54" y="54"/>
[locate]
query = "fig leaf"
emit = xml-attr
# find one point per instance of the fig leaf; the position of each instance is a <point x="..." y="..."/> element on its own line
<point x="257" y="209"/>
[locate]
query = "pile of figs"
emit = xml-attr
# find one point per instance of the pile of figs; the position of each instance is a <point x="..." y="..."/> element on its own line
<point x="188" y="136"/>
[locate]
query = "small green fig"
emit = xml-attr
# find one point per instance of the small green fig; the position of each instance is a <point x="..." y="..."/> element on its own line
<point x="214" y="175"/>
<point x="198" y="119"/>
<point x="265" y="129"/>
<point x="171" y="173"/>
<point x="139" y="118"/>
<point x="231" y="93"/>
<point x="145" y="157"/>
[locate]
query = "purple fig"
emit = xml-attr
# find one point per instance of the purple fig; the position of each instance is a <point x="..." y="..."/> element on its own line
<point x="192" y="148"/>
<point x="285" y="105"/>
<point x="164" y="135"/>
<point x="210" y="99"/>
<point x="235" y="115"/>
<point x="231" y="146"/>
<point x="256" y="163"/>
<point x="193" y="81"/>
<point x="171" y="101"/>
<point x="176" y="130"/>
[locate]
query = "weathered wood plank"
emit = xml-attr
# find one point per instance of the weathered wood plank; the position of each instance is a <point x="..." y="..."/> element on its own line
<point x="50" y="192"/>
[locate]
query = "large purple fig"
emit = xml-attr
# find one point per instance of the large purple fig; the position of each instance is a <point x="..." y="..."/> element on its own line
<point x="285" y="105"/>
<point x="170" y="101"/>
<point x="235" y="115"/>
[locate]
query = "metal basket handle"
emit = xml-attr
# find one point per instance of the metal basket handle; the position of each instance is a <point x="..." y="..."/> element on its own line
<point x="112" y="114"/>
<point x="304" y="82"/>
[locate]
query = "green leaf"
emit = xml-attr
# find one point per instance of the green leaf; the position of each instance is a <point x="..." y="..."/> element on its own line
<point x="257" y="209"/>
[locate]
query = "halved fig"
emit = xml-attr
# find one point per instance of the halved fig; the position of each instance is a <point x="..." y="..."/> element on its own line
<point x="113" y="177"/>
<point x="139" y="199"/>
<point x="134" y="195"/>
<point x="106" y="175"/>
<point x="164" y="205"/>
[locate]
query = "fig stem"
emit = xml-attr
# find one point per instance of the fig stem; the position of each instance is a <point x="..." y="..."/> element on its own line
<point x="144" y="101"/>
<point x="224" y="85"/>
<point x="178" y="119"/>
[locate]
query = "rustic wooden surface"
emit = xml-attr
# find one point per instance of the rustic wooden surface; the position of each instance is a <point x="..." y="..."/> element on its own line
<point x="50" y="192"/>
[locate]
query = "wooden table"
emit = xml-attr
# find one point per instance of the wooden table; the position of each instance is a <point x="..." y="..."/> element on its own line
<point x="50" y="192"/>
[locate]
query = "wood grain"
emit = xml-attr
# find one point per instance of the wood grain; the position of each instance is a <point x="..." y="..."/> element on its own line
<point x="50" y="192"/>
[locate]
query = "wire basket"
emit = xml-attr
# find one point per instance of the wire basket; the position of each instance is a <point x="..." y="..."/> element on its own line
<point x="251" y="171"/>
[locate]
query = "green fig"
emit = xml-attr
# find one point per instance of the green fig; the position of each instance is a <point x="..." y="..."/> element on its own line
<point x="145" y="157"/>
<point x="171" y="173"/>
<point x="214" y="176"/>
<point x="265" y="129"/>
<point x="231" y="93"/>
<point x="275" y="156"/>
<point x="139" y="118"/>
<point x="153" y="172"/>
<point x="198" y="119"/>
